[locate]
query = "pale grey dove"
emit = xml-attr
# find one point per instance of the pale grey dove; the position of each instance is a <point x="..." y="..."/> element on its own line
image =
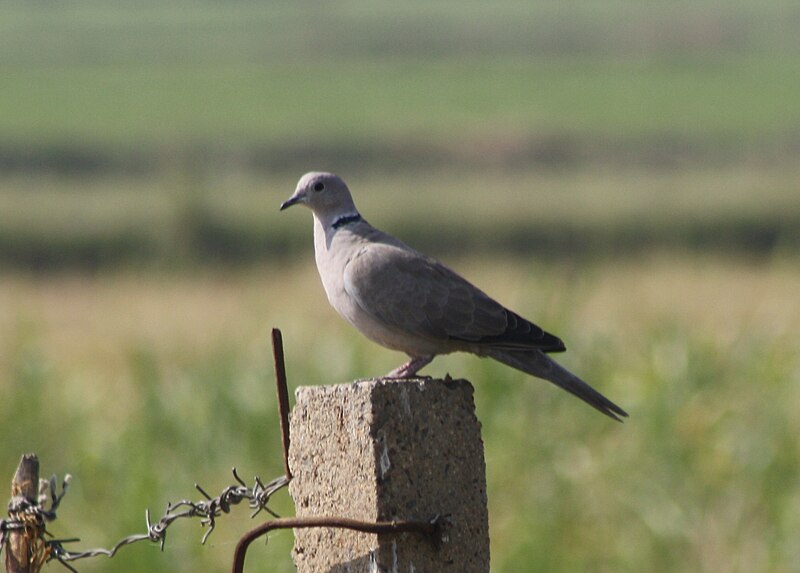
<point x="407" y="301"/>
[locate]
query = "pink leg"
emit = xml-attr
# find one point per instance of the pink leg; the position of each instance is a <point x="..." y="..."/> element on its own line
<point x="410" y="368"/>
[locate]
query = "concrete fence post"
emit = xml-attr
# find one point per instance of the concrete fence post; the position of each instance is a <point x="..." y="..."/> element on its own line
<point x="389" y="450"/>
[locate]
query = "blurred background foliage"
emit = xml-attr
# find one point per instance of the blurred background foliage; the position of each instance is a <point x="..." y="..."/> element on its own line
<point x="624" y="173"/>
<point x="149" y="132"/>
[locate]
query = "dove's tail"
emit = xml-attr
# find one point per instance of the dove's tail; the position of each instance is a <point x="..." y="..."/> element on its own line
<point x="537" y="363"/>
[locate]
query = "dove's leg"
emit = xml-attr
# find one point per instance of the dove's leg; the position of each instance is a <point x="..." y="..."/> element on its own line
<point x="410" y="368"/>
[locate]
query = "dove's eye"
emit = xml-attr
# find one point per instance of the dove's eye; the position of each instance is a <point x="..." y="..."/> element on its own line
<point x="319" y="186"/>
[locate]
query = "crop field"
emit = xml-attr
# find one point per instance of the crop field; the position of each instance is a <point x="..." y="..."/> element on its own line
<point x="624" y="174"/>
<point x="141" y="384"/>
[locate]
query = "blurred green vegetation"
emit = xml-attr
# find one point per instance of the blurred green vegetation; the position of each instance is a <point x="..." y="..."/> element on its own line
<point x="340" y="103"/>
<point x="141" y="384"/>
<point x="154" y="133"/>
<point x="644" y="154"/>
<point x="228" y="219"/>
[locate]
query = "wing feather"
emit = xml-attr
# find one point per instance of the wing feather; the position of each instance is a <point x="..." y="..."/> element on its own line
<point x="418" y="295"/>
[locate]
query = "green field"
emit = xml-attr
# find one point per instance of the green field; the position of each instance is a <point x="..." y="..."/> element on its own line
<point x="623" y="173"/>
<point x="163" y="134"/>
<point x="100" y="73"/>
<point x="334" y="104"/>
<point x="141" y="384"/>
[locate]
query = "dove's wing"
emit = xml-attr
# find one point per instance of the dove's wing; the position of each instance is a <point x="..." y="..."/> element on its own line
<point x="418" y="296"/>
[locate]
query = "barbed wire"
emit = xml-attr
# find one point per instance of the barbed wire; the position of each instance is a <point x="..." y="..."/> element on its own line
<point x="31" y="517"/>
<point x="208" y="509"/>
<point x="24" y="512"/>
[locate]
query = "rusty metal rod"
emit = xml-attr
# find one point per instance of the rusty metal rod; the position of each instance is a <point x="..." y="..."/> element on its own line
<point x="283" y="395"/>
<point x="429" y="528"/>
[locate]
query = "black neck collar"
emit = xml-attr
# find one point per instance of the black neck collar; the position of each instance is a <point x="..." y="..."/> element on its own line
<point x="346" y="220"/>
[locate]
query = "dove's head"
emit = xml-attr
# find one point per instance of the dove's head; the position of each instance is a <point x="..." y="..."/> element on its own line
<point x="325" y="194"/>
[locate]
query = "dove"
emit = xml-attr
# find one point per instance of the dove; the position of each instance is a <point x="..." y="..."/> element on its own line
<point x="410" y="302"/>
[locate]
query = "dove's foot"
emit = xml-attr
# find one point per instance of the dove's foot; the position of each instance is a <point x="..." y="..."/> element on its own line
<point x="410" y="368"/>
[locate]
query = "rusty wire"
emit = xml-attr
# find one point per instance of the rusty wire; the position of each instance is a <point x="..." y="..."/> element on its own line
<point x="433" y="529"/>
<point x="283" y="396"/>
<point x="208" y="509"/>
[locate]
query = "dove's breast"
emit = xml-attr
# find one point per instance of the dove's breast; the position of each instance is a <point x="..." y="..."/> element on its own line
<point x="333" y="251"/>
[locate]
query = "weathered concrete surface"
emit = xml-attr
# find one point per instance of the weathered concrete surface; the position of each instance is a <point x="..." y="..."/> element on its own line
<point x="385" y="450"/>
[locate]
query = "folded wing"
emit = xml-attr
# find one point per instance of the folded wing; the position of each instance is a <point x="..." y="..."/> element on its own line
<point x="418" y="295"/>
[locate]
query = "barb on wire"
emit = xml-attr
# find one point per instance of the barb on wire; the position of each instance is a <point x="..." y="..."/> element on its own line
<point x="208" y="509"/>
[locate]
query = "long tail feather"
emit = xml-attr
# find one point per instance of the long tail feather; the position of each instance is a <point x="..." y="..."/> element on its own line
<point x="538" y="364"/>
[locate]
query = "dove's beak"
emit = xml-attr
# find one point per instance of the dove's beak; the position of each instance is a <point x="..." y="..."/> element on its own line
<point x="293" y="200"/>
